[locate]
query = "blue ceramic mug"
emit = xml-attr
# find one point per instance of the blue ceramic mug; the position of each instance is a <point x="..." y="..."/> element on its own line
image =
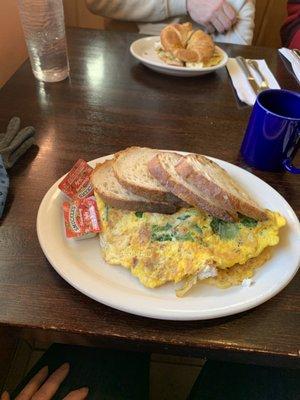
<point x="273" y="133"/>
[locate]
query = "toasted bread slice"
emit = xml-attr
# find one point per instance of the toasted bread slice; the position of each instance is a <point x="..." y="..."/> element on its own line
<point x="163" y="167"/>
<point x="211" y="179"/>
<point x="131" y="170"/>
<point x="115" y="195"/>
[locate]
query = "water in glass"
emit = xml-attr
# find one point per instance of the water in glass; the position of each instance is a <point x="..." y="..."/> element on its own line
<point x="44" y="29"/>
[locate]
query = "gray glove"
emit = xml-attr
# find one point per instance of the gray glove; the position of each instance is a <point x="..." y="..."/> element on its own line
<point x="4" y="184"/>
<point x="15" y="142"/>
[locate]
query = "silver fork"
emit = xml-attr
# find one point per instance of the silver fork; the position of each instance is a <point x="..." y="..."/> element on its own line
<point x="264" y="84"/>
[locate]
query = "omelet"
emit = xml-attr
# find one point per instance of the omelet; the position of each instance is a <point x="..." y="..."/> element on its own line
<point x="187" y="246"/>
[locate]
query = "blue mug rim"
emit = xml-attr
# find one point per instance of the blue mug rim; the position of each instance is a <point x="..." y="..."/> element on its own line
<point x="271" y="112"/>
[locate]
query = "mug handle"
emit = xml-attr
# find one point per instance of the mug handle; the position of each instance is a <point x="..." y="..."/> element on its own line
<point x="287" y="163"/>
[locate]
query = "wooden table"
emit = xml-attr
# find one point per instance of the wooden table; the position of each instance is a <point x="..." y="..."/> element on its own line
<point x="111" y="102"/>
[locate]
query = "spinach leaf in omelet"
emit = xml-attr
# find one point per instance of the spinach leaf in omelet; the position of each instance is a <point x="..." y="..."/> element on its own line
<point x="183" y="217"/>
<point x="162" y="228"/>
<point x="226" y="230"/>
<point x="161" y="233"/>
<point x="139" y="214"/>
<point x="197" y="228"/>
<point x="161" y="237"/>
<point x="166" y="233"/>
<point x="247" y="221"/>
<point x="106" y="213"/>
<point x="181" y="237"/>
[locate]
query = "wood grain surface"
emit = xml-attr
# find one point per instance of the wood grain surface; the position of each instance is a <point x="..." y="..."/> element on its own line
<point x="110" y="102"/>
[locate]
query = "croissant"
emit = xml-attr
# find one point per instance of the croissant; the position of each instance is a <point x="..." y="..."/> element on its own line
<point x="201" y="44"/>
<point x="187" y="45"/>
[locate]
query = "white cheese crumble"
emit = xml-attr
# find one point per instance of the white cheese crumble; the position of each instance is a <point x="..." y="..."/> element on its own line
<point x="194" y="65"/>
<point x="103" y="242"/>
<point x="208" y="272"/>
<point x="247" y="282"/>
<point x="157" y="45"/>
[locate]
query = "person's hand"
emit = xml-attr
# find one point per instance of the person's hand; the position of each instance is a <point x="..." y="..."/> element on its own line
<point x="213" y="14"/>
<point x="41" y="388"/>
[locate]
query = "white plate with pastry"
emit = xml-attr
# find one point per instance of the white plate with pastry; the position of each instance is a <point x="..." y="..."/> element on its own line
<point x="176" y="243"/>
<point x="193" y="55"/>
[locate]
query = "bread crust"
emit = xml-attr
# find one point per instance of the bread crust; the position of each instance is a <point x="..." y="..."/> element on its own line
<point x="201" y="44"/>
<point x="137" y="206"/>
<point x="165" y="178"/>
<point x="152" y="194"/>
<point x="230" y="201"/>
<point x="131" y="205"/>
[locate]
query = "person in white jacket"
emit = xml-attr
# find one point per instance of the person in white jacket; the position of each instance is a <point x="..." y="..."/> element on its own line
<point x="230" y="21"/>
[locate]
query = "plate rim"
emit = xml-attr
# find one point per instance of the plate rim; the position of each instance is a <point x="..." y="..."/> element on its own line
<point x="187" y="70"/>
<point x="175" y="315"/>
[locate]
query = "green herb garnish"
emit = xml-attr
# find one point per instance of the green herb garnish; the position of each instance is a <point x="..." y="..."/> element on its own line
<point x="139" y="214"/>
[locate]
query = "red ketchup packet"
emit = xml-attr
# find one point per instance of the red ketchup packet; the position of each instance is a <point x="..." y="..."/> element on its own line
<point x="76" y="183"/>
<point x="81" y="218"/>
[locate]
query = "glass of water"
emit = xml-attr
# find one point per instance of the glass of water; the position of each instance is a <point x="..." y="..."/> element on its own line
<point x="44" y="29"/>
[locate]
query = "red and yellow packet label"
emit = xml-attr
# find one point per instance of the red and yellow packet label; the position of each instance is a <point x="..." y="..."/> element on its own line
<point x="76" y="184"/>
<point x="81" y="218"/>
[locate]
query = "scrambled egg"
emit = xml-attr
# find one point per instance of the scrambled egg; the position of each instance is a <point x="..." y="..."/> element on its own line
<point x="187" y="246"/>
<point x="216" y="58"/>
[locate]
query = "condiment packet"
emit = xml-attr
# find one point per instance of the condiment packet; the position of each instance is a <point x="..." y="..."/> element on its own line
<point x="81" y="218"/>
<point x="76" y="184"/>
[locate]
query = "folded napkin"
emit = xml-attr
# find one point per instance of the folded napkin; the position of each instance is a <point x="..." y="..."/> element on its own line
<point x="15" y="142"/>
<point x="242" y="86"/>
<point x="293" y="59"/>
<point x="4" y="184"/>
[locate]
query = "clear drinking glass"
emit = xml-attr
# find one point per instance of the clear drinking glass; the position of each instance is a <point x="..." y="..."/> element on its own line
<point x="44" y="29"/>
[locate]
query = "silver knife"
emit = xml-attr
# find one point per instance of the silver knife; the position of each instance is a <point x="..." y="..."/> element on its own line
<point x="296" y="52"/>
<point x="242" y="63"/>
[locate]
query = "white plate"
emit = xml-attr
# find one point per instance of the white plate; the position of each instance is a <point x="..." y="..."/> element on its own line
<point x="144" y="50"/>
<point x="80" y="264"/>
